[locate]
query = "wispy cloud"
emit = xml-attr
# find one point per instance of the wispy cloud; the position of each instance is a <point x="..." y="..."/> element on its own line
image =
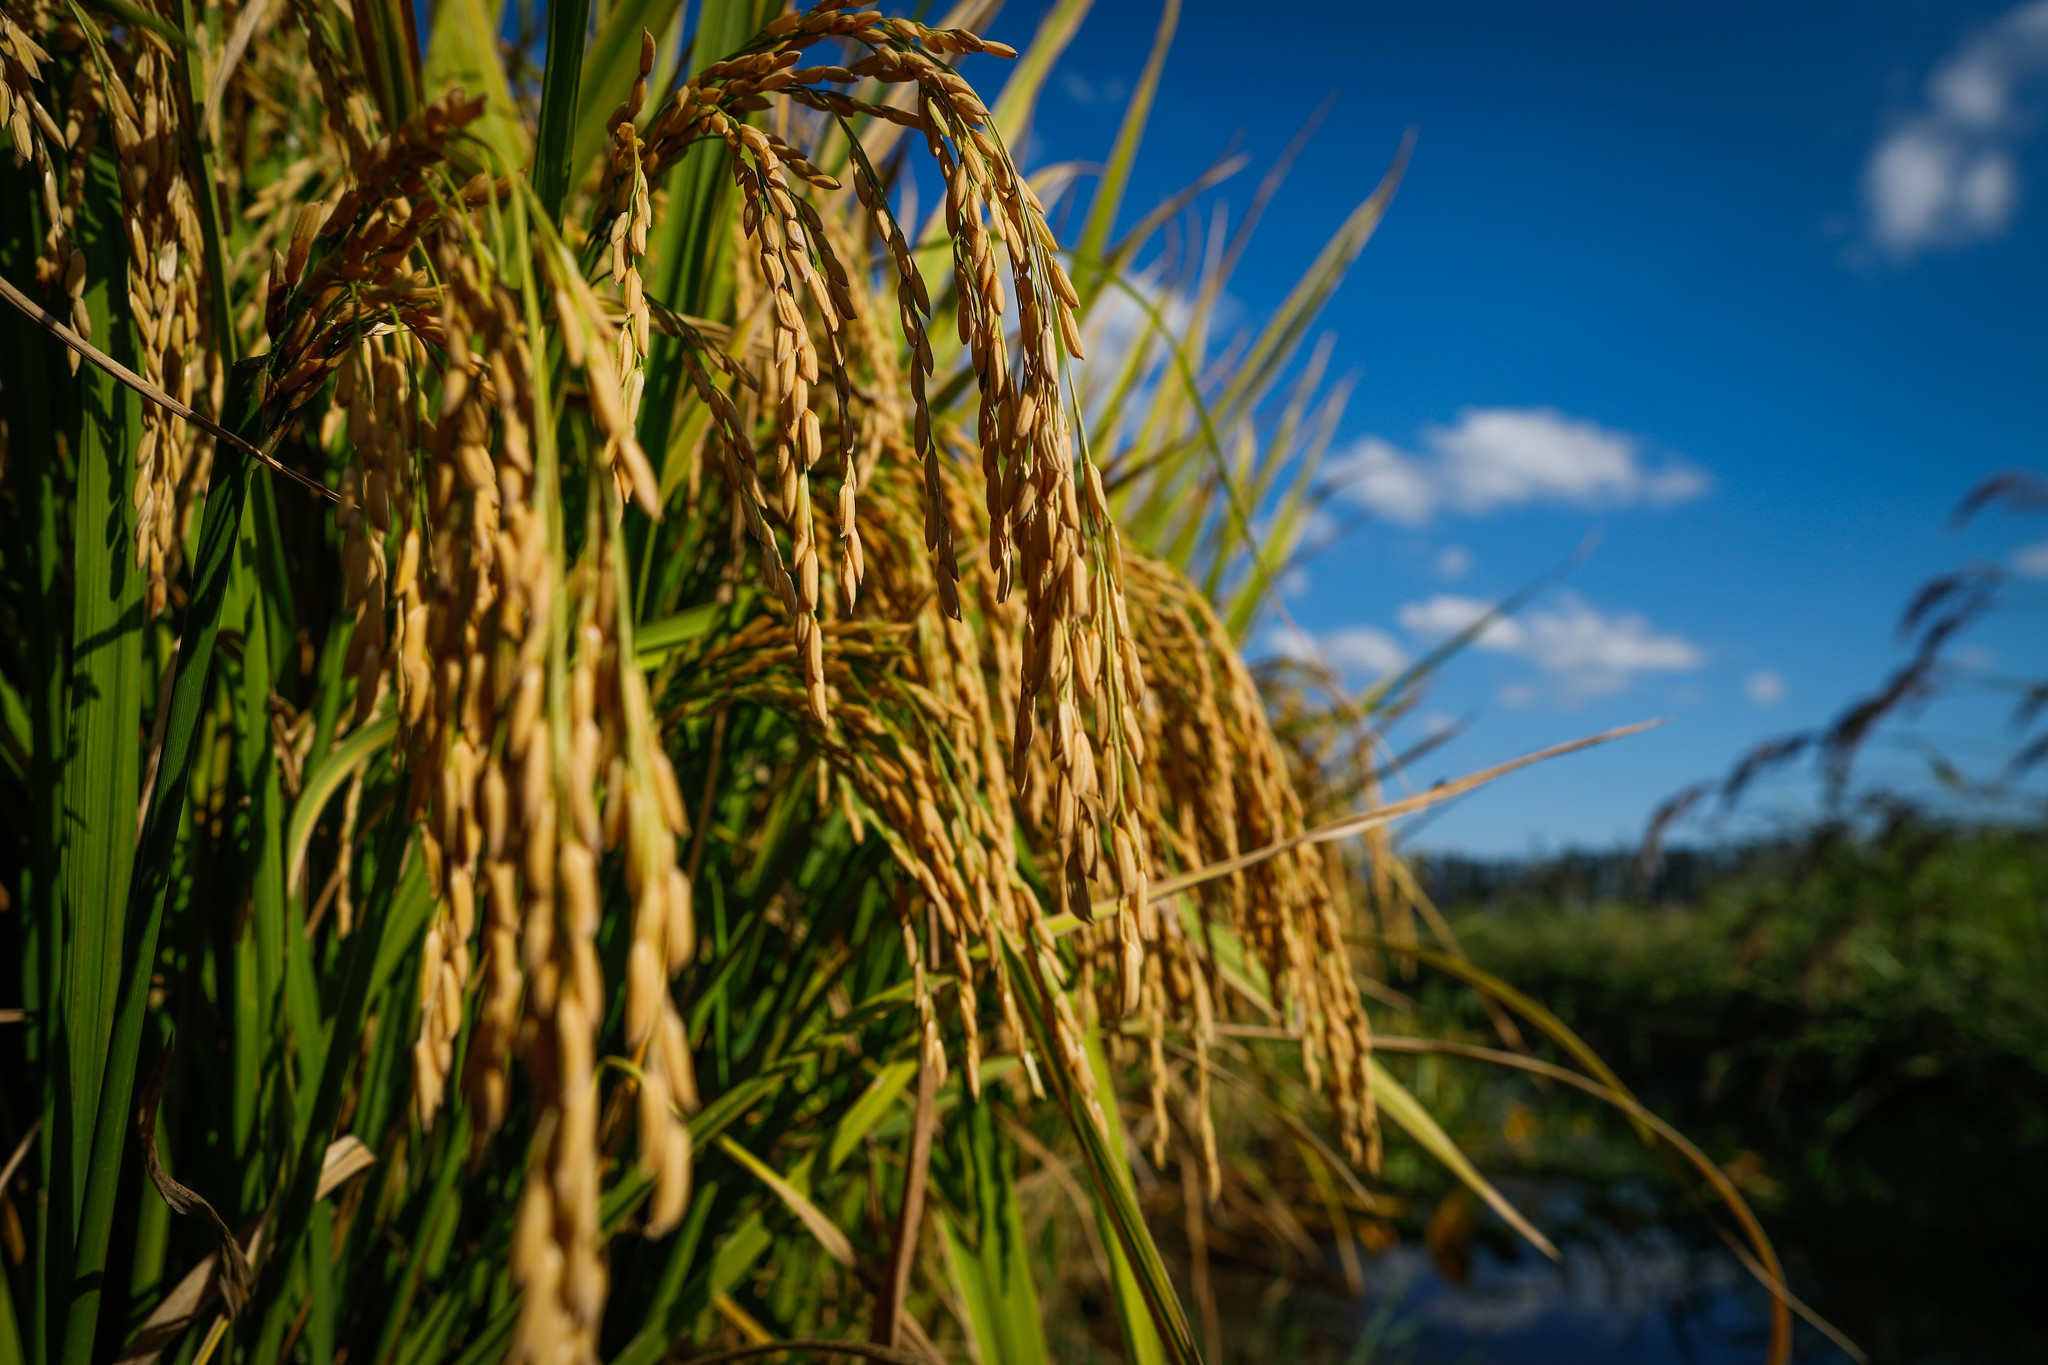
<point x="1508" y="457"/>
<point x="1357" y="652"/>
<point x="1081" y="90"/>
<point x="1588" y="652"/>
<point x="1765" y="687"/>
<point x="1944" y="176"/>
<point x="2031" y="561"/>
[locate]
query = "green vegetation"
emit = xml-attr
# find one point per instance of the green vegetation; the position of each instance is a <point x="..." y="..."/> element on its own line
<point x="1857" y="1013"/>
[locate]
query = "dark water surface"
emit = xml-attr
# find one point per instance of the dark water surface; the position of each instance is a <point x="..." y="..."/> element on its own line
<point x="1641" y="1300"/>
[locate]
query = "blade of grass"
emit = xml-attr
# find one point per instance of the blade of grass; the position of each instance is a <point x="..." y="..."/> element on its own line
<point x="656" y="640"/>
<point x="992" y="1273"/>
<point x="1532" y="1010"/>
<point x="315" y="1122"/>
<point x="462" y="49"/>
<point x="867" y="1111"/>
<point x="690" y="243"/>
<point x="611" y="64"/>
<point x="1143" y="1342"/>
<point x="390" y="51"/>
<point x="810" y="1215"/>
<point x="554" y="147"/>
<point x="1277" y="341"/>
<point x="212" y="570"/>
<point x="1116" y="1205"/>
<point x="130" y="13"/>
<point x="326" y="778"/>
<point x="1403" y="1108"/>
<point x="102" y="774"/>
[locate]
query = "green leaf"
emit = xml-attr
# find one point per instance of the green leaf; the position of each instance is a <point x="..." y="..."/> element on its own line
<point x="1529" y="1008"/>
<point x="1129" y="1239"/>
<point x="1405" y="1110"/>
<point x="212" y="569"/>
<point x="1143" y="1344"/>
<point x="130" y="13"/>
<point x="810" y="1215"/>
<point x="463" y="50"/>
<point x="656" y="640"/>
<point x="867" y="1111"/>
<point x="1277" y="341"/>
<point x="102" y="774"/>
<point x="561" y="83"/>
<point x="326" y="778"/>
<point x="690" y="243"/>
<point x="391" y="58"/>
<point x="991" y="1269"/>
<point x="612" y="63"/>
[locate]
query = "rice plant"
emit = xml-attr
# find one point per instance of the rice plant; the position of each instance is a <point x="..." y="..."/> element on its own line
<point x="588" y="767"/>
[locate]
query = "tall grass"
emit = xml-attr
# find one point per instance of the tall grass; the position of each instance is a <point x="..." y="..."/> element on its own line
<point x="555" y="816"/>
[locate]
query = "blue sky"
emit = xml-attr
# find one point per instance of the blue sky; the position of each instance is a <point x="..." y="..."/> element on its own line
<point x="1756" y="291"/>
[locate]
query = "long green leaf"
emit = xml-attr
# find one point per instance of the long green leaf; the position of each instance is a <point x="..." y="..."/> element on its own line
<point x="561" y="82"/>
<point x="991" y="1270"/>
<point x="1403" y="1108"/>
<point x="390" y="51"/>
<point x="102" y="772"/>
<point x="462" y="50"/>
<point x="1531" y="1009"/>
<point x="1283" y="332"/>
<point x="610" y="66"/>
<point x="315" y="1125"/>
<point x="867" y="1111"/>
<point x="691" y="243"/>
<point x="656" y="640"/>
<point x="325" y="780"/>
<point x="1142" y="1336"/>
<point x="150" y="887"/>
<point x="810" y="1215"/>
<point x="1116" y="1205"/>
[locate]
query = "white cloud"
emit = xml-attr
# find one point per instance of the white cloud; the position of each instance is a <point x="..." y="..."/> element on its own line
<point x="1446" y="614"/>
<point x="1455" y="561"/>
<point x="1355" y="651"/>
<point x="1765" y="687"/>
<point x="1507" y="457"/>
<point x="1943" y="176"/>
<point x="2031" y="561"/>
<point x="1589" y="652"/>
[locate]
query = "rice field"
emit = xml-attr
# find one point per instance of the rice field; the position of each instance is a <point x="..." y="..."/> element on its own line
<point x="613" y="751"/>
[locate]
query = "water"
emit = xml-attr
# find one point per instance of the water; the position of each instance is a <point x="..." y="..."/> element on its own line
<point x="1643" y="1299"/>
